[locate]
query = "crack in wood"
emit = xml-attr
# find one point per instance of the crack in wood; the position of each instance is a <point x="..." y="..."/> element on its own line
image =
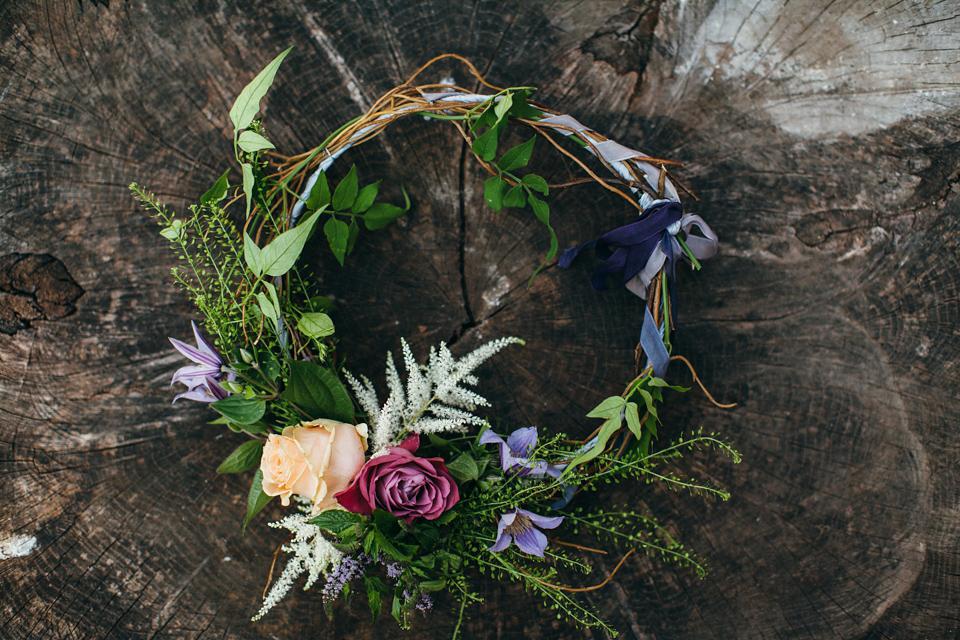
<point x="34" y="287"/>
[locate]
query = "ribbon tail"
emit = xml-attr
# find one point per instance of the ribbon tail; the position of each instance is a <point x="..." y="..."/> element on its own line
<point x="653" y="346"/>
<point x="571" y="254"/>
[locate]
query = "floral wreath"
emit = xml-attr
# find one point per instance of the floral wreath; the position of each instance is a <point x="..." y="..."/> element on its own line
<point x="394" y="499"/>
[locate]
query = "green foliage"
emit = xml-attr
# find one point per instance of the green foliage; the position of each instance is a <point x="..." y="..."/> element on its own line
<point x="247" y="104"/>
<point x="317" y="392"/>
<point x="243" y="458"/>
<point x="256" y="499"/>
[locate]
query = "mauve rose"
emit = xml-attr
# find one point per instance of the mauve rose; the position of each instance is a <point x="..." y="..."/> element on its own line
<point x="402" y="484"/>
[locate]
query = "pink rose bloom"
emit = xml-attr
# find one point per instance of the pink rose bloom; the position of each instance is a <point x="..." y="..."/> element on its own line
<point x="314" y="460"/>
<point x="402" y="484"/>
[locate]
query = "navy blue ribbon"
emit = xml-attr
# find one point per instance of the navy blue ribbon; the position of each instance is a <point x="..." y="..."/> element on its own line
<point x="627" y="249"/>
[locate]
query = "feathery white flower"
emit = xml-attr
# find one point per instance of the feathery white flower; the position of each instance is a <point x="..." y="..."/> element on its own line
<point x="435" y="399"/>
<point x="312" y="553"/>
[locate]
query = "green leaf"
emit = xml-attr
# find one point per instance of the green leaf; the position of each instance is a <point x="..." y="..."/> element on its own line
<point x="493" y="192"/>
<point x="381" y="214"/>
<point x="172" y="233"/>
<point x="250" y="142"/>
<point x="648" y="400"/>
<point x="502" y="106"/>
<point x="396" y="608"/>
<point x="336" y="521"/>
<point x="433" y="585"/>
<point x="217" y="191"/>
<point x="243" y="458"/>
<point x="520" y="108"/>
<point x="485" y="146"/>
<point x="536" y="183"/>
<point x="251" y="255"/>
<point x="516" y="197"/>
<point x="397" y="551"/>
<point x="346" y="192"/>
<point x="256" y="499"/>
<point x="319" y="193"/>
<point x="464" y="468"/>
<point x="281" y="254"/>
<point x="373" y="597"/>
<point x="353" y="234"/>
<point x="315" y="325"/>
<point x="366" y="197"/>
<point x="247" y="184"/>
<point x="633" y="419"/>
<point x="607" y="429"/>
<point x="318" y="391"/>
<point x="338" y="233"/>
<point x="518" y="156"/>
<point x="542" y="211"/>
<point x="239" y="409"/>
<point x="247" y="104"/>
<point x="659" y="382"/>
<point x="427" y="535"/>
<point x="609" y="407"/>
<point x="267" y="308"/>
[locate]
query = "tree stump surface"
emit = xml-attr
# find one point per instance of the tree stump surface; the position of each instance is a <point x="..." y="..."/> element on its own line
<point x="822" y="140"/>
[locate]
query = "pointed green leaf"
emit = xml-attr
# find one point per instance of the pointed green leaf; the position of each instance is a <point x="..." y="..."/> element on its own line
<point x="281" y="254"/>
<point x="346" y="192"/>
<point x="243" y="458"/>
<point x="648" y="400"/>
<point x="319" y="193"/>
<point x="633" y="419"/>
<point x="336" y="521"/>
<point x="247" y="184"/>
<point x="217" y="191"/>
<point x="247" y="104"/>
<point x="337" y="234"/>
<point x="318" y="391"/>
<point x="518" y="156"/>
<point x="373" y="597"/>
<point x="315" y="325"/>
<point x="251" y="254"/>
<point x="659" y="382"/>
<point x="521" y="109"/>
<point x="502" y="106"/>
<point x="606" y="431"/>
<point x="536" y="183"/>
<point x="516" y="197"/>
<point x="493" y="192"/>
<point x="463" y="468"/>
<point x="609" y="407"/>
<point x="267" y="309"/>
<point x="366" y="197"/>
<point x="542" y="211"/>
<point x="239" y="409"/>
<point x="250" y="142"/>
<point x="256" y="499"/>
<point x="354" y="233"/>
<point x="485" y="146"/>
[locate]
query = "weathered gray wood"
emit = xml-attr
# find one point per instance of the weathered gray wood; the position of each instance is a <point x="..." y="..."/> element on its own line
<point x="821" y="138"/>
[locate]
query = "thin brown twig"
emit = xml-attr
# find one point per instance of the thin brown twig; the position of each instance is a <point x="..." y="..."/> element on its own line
<point x="580" y="589"/>
<point x="696" y="379"/>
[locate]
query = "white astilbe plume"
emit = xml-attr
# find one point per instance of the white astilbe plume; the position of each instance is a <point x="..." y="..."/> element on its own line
<point x="312" y="553"/>
<point x="434" y="400"/>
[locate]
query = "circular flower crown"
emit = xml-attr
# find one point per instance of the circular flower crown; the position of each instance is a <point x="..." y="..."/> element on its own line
<point x="409" y="497"/>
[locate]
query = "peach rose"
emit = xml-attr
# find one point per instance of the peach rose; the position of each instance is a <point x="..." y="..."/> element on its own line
<point x="314" y="460"/>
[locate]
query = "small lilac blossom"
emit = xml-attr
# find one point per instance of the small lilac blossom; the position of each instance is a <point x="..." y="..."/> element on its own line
<point x="202" y="379"/>
<point x="425" y="603"/>
<point x="516" y="452"/>
<point x="350" y="567"/>
<point x="394" y="569"/>
<point x="520" y="527"/>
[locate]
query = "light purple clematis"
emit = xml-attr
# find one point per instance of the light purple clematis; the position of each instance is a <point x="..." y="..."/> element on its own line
<point x="202" y="379"/>
<point x="515" y="453"/>
<point x="520" y="527"/>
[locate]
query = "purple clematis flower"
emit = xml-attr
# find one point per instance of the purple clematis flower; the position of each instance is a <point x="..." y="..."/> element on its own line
<point x="515" y="453"/>
<point x="202" y="379"/>
<point x="520" y="527"/>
